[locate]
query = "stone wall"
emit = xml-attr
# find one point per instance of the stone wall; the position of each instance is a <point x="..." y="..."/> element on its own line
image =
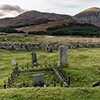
<point x="31" y="46"/>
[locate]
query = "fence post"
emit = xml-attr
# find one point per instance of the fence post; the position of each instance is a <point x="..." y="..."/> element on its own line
<point x="45" y="64"/>
<point x="32" y="65"/>
<point x="68" y="79"/>
<point x="49" y="65"/>
<point x="61" y="84"/>
<point x="27" y="65"/>
<point x="17" y="64"/>
<point x="54" y="84"/>
<point x="41" y="66"/>
<point x="23" y="83"/>
<point x="5" y="85"/>
<point x="54" y="63"/>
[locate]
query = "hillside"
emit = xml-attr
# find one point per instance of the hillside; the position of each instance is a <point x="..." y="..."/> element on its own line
<point x="89" y="15"/>
<point x="44" y="26"/>
<point x="36" y="14"/>
<point x="39" y="21"/>
<point x="32" y="17"/>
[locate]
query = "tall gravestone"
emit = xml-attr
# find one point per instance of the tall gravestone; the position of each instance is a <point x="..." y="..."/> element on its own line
<point x="38" y="80"/>
<point x="34" y="57"/>
<point x="62" y="55"/>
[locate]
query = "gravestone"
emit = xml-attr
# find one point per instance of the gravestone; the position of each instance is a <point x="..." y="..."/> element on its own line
<point x="38" y="80"/>
<point x="48" y="48"/>
<point x="13" y="62"/>
<point x="34" y="57"/>
<point x="62" y="55"/>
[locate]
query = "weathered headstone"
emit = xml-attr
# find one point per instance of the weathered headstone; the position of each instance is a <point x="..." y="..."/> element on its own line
<point x="62" y="55"/>
<point x="48" y="48"/>
<point x="38" y="80"/>
<point x="13" y="62"/>
<point x="34" y="57"/>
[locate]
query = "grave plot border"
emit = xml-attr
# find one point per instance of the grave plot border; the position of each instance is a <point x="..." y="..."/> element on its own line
<point x="52" y="66"/>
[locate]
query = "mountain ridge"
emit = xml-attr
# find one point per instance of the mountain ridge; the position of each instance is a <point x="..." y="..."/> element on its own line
<point x="39" y="21"/>
<point x="89" y="15"/>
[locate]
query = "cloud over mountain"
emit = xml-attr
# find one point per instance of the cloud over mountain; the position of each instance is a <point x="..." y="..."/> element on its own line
<point x="10" y="9"/>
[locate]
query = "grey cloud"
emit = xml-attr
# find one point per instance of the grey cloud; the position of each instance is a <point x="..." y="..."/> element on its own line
<point x="2" y="14"/>
<point x="8" y="8"/>
<point x="13" y="10"/>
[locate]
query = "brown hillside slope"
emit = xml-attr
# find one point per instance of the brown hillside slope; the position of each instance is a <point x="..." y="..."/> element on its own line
<point x="32" y="17"/>
<point x="43" y="27"/>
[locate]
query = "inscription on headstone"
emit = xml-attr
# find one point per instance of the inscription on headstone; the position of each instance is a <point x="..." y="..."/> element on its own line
<point x="13" y="62"/>
<point x="62" y="54"/>
<point x="34" y="57"/>
<point x="38" y="80"/>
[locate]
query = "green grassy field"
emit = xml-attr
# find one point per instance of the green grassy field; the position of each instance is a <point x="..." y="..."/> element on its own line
<point x="83" y="63"/>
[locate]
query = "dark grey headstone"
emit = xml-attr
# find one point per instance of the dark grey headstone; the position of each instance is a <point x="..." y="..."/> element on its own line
<point x="38" y="80"/>
<point x="34" y="57"/>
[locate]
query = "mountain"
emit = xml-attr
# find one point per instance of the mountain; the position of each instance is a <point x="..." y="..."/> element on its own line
<point x="36" y="14"/>
<point x="32" y="17"/>
<point x="40" y="21"/>
<point x="89" y="15"/>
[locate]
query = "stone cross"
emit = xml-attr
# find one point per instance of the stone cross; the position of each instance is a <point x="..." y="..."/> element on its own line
<point x="38" y="80"/>
<point x="34" y="57"/>
<point x="62" y="54"/>
<point x="13" y="62"/>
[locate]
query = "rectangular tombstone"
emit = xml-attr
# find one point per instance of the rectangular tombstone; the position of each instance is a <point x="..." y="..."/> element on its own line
<point x="38" y="80"/>
<point x="62" y="54"/>
<point x="13" y="62"/>
<point x="34" y="57"/>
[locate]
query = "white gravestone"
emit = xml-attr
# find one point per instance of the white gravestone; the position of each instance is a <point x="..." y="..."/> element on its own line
<point x="13" y="62"/>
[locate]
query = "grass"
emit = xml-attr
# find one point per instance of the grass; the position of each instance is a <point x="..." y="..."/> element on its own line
<point x="27" y="77"/>
<point x="83" y="63"/>
<point x="24" y="38"/>
<point x="57" y="93"/>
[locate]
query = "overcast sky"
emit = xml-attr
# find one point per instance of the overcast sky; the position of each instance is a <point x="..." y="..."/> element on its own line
<point x="11" y="8"/>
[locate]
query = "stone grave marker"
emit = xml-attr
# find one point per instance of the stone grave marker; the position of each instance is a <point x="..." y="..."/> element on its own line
<point x="63" y="55"/>
<point x="38" y="80"/>
<point x="48" y="48"/>
<point x="13" y="62"/>
<point x="34" y="57"/>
